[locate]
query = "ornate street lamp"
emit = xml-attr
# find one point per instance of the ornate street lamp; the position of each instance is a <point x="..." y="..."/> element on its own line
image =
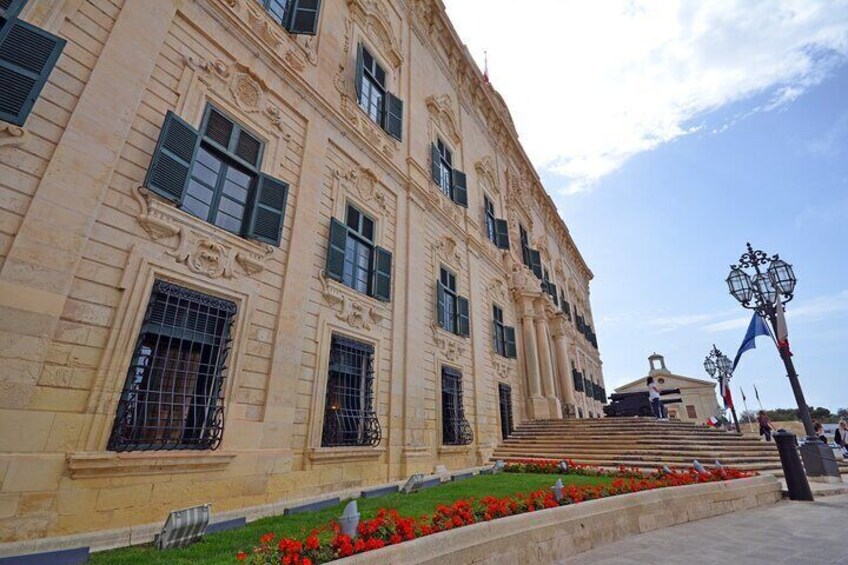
<point x="771" y="287"/>
<point x="718" y="366"/>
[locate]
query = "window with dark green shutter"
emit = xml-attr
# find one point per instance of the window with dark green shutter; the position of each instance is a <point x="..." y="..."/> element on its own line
<point x="214" y="174"/>
<point x="353" y="258"/>
<point x="489" y="211"/>
<point x="27" y="56"/>
<point x="297" y="16"/>
<point x="452" y="311"/>
<point x="504" y="336"/>
<point x="452" y="182"/>
<point x="383" y="107"/>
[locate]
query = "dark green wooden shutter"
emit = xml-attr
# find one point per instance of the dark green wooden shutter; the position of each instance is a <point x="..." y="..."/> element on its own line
<point x="577" y="380"/>
<point x="502" y="234"/>
<point x="269" y="210"/>
<point x="27" y="55"/>
<point x="536" y="263"/>
<point x="11" y="8"/>
<point x="393" y="115"/>
<point x="509" y="341"/>
<point x="460" y="189"/>
<point x="440" y="305"/>
<point x="303" y="16"/>
<point x="382" y="274"/>
<point x="435" y="164"/>
<point x="552" y="290"/>
<point x="336" y="250"/>
<point x="175" y="152"/>
<point x="462" y="316"/>
<point x="360" y="70"/>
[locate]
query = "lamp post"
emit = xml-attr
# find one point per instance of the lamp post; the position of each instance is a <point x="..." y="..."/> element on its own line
<point x="718" y="366"/>
<point x="771" y="286"/>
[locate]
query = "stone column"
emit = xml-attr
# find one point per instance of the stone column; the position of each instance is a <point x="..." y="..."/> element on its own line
<point x="537" y="406"/>
<point x="543" y="343"/>
<point x="566" y="383"/>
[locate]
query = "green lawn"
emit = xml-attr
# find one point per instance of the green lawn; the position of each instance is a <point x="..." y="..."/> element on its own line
<point x="222" y="547"/>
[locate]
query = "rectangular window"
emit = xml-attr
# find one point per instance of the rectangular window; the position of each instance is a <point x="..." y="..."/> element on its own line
<point x="577" y="378"/>
<point x="354" y="260"/>
<point x="525" y="245"/>
<point x="691" y="412"/>
<point x="214" y="174"/>
<point x="373" y="87"/>
<point x="452" y="310"/>
<point x="174" y="394"/>
<point x="297" y="16"/>
<point x="27" y="57"/>
<point x="445" y="169"/>
<point x="505" y="405"/>
<point x="452" y="182"/>
<point x="491" y="230"/>
<point x="349" y="417"/>
<point x="503" y="335"/>
<point x="455" y="428"/>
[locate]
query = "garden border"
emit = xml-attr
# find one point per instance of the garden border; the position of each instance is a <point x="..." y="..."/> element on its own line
<point x="558" y="533"/>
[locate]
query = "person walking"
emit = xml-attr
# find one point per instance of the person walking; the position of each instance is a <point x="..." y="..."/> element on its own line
<point x="840" y="437"/>
<point x="654" y="398"/>
<point x="766" y="427"/>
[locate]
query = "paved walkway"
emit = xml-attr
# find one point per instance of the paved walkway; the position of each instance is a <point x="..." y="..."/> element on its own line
<point x="788" y="532"/>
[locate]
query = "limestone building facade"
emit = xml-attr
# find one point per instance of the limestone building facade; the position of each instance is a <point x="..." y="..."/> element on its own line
<point x="258" y="250"/>
<point x="698" y="396"/>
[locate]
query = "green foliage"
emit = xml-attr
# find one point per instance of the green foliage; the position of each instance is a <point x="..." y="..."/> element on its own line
<point x="221" y="547"/>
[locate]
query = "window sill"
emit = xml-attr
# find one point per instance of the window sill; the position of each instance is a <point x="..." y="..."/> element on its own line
<point x="84" y="465"/>
<point x="455" y="449"/>
<point x="336" y="454"/>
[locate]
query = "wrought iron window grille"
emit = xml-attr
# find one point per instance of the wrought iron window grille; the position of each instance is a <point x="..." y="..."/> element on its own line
<point x="505" y="404"/>
<point x="349" y="418"/>
<point x="174" y="393"/>
<point x="455" y="428"/>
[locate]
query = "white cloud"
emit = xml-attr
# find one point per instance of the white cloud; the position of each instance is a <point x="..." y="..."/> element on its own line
<point x="591" y="84"/>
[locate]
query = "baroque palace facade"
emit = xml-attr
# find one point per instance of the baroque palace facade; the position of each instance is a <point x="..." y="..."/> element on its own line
<point x="258" y="250"/>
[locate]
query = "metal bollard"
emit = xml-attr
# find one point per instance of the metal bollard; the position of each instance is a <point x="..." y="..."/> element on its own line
<point x="793" y="471"/>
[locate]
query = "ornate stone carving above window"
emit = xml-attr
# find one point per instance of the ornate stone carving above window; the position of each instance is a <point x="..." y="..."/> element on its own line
<point x="446" y="251"/>
<point x="374" y="19"/>
<point x="12" y="135"/>
<point x="293" y="50"/>
<point x="504" y="368"/>
<point x="488" y="174"/>
<point x="362" y="184"/>
<point x="242" y="86"/>
<point x="443" y="119"/>
<point x="200" y="246"/>
<point x="498" y="292"/>
<point x="351" y="307"/>
<point x="448" y="346"/>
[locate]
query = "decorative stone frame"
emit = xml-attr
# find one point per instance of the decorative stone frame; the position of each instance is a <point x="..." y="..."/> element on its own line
<point x="316" y="454"/>
<point x="143" y="268"/>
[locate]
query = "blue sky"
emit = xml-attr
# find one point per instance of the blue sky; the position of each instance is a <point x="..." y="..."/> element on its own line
<point x="669" y="134"/>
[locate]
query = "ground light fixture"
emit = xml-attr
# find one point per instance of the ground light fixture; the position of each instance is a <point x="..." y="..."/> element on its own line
<point x="765" y="284"/>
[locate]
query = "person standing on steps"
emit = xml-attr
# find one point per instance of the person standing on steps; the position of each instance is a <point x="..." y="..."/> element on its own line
<point x="654" y="398"/>
<point x="766" y="427"/>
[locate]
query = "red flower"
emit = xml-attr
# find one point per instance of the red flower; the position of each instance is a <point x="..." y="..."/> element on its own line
<point x="267" y="538"/>
<point x="312" y="542"/>
<point x="241" y="556"/>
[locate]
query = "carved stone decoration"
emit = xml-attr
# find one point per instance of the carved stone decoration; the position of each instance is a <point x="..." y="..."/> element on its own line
<point x="242" y="85"/>
<point x="449" y="346"/>
<point x="199" y="245"/>
<point x="273" y="35"/>
<point x="504" y="368"/>
<point x="13" y="136"/>
<point x="446" y="250"/>
<point x="498" y="291"/>
<point x="363" y="183"/>
<point x="488" y="173"/>
<point x="357" y="313"/>
<point x="373" y="17"/>
<point x="443" y="118"/>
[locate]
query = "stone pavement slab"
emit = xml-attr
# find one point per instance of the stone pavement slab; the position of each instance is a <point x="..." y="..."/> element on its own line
<point x="787" y="532"/>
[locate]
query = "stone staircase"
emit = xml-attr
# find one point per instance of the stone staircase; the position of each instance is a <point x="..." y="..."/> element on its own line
<point x="638" y="442"/>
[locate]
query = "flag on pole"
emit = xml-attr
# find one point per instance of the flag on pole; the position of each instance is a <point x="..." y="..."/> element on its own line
<point x="743" y="394"/>
<point x="755" y="328"/>
<point x="782" y="331"/>
<point x="725" y="392"/>
<point x="756" y="393"/>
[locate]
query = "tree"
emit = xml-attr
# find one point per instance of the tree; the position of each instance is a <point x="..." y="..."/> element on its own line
<point x="821" y="413"/>
<point x="842" y="413"/>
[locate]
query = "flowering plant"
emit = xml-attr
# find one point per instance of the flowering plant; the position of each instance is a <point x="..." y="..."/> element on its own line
<point x="390" y="528"/>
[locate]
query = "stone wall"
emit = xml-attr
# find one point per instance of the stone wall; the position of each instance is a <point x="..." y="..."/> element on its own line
<point x="548" y="536"/>
<point x="82" y="241"/>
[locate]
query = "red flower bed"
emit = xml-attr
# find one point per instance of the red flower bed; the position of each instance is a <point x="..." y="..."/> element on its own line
<point x="389" y="528"/>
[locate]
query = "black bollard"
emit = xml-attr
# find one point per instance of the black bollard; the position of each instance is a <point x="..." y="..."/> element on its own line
<point x="793" y="471"/>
